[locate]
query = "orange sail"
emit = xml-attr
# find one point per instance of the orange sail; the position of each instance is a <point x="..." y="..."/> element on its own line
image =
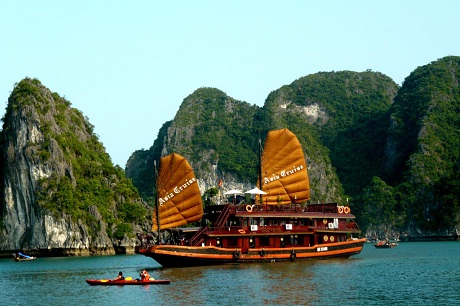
<point x="179" y="199"/>
<point x="284" y="170"/>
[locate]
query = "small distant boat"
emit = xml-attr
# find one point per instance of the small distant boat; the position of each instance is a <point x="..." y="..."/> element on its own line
<point x="108" y="282"/>
<point x="22" y="257"/>
<point x="385" y="244"/>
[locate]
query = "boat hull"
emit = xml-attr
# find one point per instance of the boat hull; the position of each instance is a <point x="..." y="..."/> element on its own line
<point x="187" y="256"/>
<point x="24" y="259"/>
<point x="106" y="282"/>
<point x="390" y="246"/>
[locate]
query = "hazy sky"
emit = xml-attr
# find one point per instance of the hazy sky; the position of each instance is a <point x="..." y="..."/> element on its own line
<point x="128" y="65"/>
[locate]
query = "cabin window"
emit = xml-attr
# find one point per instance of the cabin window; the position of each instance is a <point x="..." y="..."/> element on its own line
<point x="235" y="222"/>
<point x="262" y="222"/>
<point x="264" y="241"/>
<point x="294" y="240"/>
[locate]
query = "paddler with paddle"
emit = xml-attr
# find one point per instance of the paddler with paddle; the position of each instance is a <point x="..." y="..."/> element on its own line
<point x="119" y="277"/>
<point x="144" y="275"/>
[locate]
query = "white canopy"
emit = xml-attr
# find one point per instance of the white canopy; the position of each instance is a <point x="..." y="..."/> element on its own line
<point x="256" y="191"/>
<point x="233" y="191"/>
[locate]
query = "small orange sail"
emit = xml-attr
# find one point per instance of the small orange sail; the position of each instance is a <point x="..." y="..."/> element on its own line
<point x="284" y="170"/>
<point x="179" y="199"/>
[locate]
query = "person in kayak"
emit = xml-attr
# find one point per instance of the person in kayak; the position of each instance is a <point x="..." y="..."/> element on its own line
<point x="120" y="276"/>
<point x="144" y="275"/>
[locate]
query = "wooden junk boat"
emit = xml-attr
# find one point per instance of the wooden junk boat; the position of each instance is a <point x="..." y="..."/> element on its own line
<point x="281" y="227"/>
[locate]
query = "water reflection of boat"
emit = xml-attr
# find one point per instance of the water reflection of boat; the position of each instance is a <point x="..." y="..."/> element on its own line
<point x="385" y="244"/>
<point x="279" y="226"/>
<point x="22" y="257"/>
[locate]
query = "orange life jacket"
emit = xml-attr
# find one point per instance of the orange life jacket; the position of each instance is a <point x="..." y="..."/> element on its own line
<point x="145" y="275"/>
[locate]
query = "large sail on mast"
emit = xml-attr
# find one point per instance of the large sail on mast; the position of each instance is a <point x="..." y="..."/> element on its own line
<point x="179" y="199"/>
<point x="284" y="169"/>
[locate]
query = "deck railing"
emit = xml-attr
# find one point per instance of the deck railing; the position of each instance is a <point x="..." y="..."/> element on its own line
<point x="293" y="207"/>
<point x="197" y="239"/>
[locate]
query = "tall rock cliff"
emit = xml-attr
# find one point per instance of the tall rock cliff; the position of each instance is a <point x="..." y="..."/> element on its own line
<point x="416" y="194"/>
<point x="422" y="149"/>
<point x="60" y="191"/>
<point x="222" y="128"/>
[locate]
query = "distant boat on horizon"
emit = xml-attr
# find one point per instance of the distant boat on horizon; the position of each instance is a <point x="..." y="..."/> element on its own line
<point x="22" y="257"/>
<point x="385" y="244"/>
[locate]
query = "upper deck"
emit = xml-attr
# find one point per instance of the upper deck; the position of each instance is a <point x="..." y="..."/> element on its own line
<point x="310" y="211"/>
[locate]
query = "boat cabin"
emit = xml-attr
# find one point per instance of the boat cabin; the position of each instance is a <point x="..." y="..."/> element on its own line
<point x="261" y="226"/>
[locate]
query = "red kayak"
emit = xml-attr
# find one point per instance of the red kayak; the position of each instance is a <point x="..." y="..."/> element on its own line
<point x="108" y="282"/>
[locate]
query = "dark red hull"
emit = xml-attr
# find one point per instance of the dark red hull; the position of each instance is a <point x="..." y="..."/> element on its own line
<point x="184" y="256"/>
<point x="105" y="282"/>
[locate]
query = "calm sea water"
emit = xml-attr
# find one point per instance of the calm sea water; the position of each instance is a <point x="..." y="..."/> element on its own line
<point x="425" y="273"/>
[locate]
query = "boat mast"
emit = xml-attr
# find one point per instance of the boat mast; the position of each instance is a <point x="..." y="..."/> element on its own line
<point x="260" y="169"/>
<point x="157" y="207"/>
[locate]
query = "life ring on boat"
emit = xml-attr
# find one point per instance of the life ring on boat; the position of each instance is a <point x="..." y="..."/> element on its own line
<point x="346" y="209"/>
<point x="293" y="255"/>
<point x="237" y="254"/>
<point x="262" y="253"/>
<point x="340" y="209"/>
<point x="325" y="238"/>
<point x="242" y="231"/>
<point x="249" y="208"/>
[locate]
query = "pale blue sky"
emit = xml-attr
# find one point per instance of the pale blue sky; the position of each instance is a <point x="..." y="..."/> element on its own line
<point x="128" y="65"/>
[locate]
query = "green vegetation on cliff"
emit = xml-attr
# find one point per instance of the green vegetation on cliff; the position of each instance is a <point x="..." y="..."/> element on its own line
<point x="419" y="189"/>
<point x="141" y="164"/>
<point x="425" y="134"/>
<point x="214" y="129"/>
<point x="340" y="118"/>
<point x="354" y="125"/>
<point x="224" y="129"/>
<point x="78" y="172"/>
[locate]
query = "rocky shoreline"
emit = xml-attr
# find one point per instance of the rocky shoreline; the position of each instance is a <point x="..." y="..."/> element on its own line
<point x="66" y="252"/>
<point x="429" y="238"/>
